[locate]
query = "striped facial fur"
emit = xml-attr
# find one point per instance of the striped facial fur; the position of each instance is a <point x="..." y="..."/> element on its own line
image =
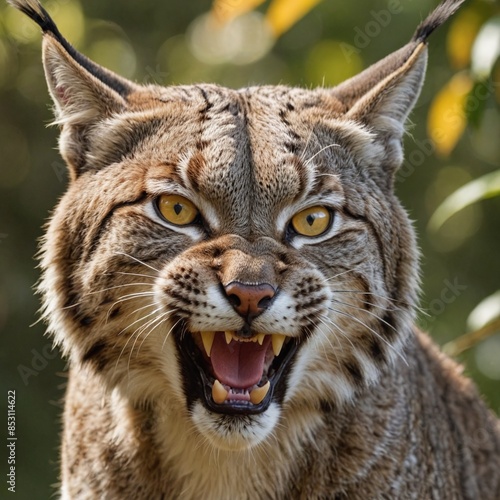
<point x="244" y="309"/>
<point x="231" y="253"/>
<point x="234" y="283"/>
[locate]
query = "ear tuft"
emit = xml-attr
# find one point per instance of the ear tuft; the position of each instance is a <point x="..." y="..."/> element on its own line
<point x="83" y="92"/>
<point x="34" y="10"/>
<point x="436" y="18"/>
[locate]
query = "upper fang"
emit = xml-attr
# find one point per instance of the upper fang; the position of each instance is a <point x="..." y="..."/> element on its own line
<point x="208" y="339"/>
<point x="277" y="341"/>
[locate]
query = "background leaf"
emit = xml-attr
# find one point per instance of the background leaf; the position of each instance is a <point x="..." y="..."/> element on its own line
<point x="283" y="14"/>
<point x="485" y="312"/>
<point x="486" y="186"/>
<point x="486" y="48"/>
<point x="447" y="119"/>
<point x="226" y="10"/>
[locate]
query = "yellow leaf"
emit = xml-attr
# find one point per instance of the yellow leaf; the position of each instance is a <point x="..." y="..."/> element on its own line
<point x="283" y="14"/>
<point x="447" y="119"/>
<point x="226" y="10"/>
<point x="461" y="36"/>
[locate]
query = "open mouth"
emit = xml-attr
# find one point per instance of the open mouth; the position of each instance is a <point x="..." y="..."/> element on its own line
<point x="236" y="375"/>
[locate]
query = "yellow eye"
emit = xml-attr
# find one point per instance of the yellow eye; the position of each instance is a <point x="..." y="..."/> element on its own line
<point x="177" y="209"/>
<point x="312" y="221"/>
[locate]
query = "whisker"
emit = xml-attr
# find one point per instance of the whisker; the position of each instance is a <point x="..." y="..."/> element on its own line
<point x="86" y="294"/>
<point x="137" y="260"/>
<point x="390" y="299"/>
<point x="128" y="340"/>
<point x="152" y="304"/>
<point x="330" y="320"/>
<point x="328" y="146"/>
<point x="320" y="318"/>
<point x="339" y="274"/>
<point x="161" y="318"/>
<point x="367" y="312"/>
<point x="139" y="319"/>
<point x="303" y="154"/>
<point x="141" y="275"/>
<point x="371" y="330"/>
<point x="141" y="330"/>
<point x="169" y="332"/>
<point x="136" y="295"/>
<point x="114" y="287"/>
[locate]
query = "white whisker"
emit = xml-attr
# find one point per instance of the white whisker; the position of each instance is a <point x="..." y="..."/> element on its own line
<point x="328" y="146"/>
<point x="137" y="260"/>
<point x="371" y="330"/>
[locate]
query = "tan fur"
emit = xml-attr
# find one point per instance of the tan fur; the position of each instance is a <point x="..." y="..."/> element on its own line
<point x="366" y="408"/>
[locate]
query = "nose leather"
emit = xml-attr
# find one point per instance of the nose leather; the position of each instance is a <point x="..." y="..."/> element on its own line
<point x="249" y="300"/>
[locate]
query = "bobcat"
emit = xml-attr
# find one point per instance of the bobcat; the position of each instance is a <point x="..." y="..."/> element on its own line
<point x="234" y="284"/>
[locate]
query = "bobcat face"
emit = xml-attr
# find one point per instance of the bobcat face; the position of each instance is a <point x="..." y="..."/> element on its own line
<point x="231" y="256"/>
<point x="232" y="261"/>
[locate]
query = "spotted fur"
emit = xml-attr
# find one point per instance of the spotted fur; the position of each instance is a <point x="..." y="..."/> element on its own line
<point x="366" y="406"/>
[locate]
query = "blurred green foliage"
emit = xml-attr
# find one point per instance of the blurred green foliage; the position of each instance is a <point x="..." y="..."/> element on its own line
<point x="164" y="42"/>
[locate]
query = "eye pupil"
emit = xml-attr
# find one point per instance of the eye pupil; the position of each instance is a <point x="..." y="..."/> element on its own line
<point x="312" y="221"/>
<point x="176" y="209"/>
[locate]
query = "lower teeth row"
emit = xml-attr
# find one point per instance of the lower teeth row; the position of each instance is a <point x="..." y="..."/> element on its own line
<point x="257" y="395"/>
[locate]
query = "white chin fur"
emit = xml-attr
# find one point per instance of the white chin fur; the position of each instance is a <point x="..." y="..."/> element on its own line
<point x="235" y="433"/>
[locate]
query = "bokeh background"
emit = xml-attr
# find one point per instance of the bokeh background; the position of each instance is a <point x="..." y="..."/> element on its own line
<point x="453" y="140"/>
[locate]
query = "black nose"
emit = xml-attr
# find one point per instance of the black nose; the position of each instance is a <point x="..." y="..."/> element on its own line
<point x="249" y="300"/>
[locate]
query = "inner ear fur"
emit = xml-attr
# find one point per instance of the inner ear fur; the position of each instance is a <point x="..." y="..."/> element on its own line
<point x="386" y="106"/>
<point x="381" y="97"/>
<point x="80" y="98"/>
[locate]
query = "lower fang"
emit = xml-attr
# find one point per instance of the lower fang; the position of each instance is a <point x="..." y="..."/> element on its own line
<point x="259" y="393"/>
<point x="219" y="394"/>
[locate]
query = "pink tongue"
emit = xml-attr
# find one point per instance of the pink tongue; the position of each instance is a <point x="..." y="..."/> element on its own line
<point x="238" y="364"/>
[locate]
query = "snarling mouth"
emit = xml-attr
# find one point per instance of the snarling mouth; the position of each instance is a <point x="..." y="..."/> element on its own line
<point x="235" y="374"/>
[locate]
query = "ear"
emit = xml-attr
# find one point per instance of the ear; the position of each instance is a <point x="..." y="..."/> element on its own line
<point x="386" y="104"/>
<point x="381" y="97"/>
<point x="80" y="97"/>
<point x="83" y="92"/>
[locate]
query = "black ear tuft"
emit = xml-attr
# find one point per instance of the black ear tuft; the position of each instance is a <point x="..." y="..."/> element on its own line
<point x="436" y="18"/>
<point x="34" y="10"/>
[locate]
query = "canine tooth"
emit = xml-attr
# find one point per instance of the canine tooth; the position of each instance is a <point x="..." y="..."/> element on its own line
<point x="259" y="393"/>
<point x="208" y="339"/>
<point x="229" y="337"/>
<point x="260" y="338"/>
<point x="219" y="394"/>
<point x="277" y="341"/>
